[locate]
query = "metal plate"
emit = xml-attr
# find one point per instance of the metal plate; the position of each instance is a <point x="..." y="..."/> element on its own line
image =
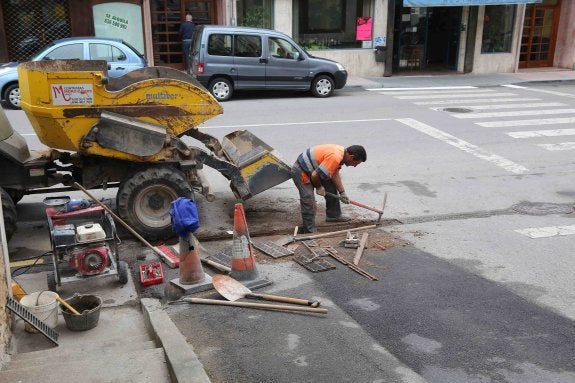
<point x="272" y="249"/>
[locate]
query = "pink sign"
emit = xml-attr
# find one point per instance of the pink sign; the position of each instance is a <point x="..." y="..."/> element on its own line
<point x="363" y="28"/>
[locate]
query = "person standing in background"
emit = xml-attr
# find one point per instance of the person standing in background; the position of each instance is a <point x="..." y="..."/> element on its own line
<point x="187" y="32"/>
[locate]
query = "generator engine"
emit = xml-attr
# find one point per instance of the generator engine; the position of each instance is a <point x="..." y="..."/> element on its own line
<point x="89" y="260"/>
<point x="85" y="249"/>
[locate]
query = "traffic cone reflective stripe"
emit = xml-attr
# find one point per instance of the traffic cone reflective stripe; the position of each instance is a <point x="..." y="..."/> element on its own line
<point x="243" y="259"/>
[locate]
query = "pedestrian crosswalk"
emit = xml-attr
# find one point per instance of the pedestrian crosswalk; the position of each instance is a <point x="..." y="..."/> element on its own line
<point x="507" y="107"/>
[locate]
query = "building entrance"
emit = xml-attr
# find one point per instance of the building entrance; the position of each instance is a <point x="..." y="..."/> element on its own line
<point x="167" y="15"/>
<point x="539" y="34"/>
<point x="427" y="38"/>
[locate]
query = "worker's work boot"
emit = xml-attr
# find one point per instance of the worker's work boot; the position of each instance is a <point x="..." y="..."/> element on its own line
<point x="341" y="218"/>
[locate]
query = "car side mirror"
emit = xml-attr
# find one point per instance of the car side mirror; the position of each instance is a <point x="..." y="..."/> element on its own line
<point x="121" y="57"/>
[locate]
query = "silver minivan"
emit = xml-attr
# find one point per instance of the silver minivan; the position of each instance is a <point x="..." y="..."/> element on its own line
<point x="227" y="58"/>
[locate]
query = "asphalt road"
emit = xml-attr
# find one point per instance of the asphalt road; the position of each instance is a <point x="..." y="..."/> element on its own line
<point x="478" y="287"/>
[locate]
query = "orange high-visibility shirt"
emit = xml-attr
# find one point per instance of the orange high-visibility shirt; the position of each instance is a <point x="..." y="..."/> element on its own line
<point x="325" y="159"/>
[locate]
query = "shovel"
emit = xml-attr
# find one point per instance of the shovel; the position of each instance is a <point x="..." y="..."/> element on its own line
<point x="233" y="290"/>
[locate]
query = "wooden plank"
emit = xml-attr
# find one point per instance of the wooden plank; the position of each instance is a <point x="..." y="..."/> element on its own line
<point x="359" y="251"/>
<point x="332" y="233"/>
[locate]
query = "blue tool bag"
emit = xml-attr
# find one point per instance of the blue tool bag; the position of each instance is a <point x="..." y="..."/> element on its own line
<point x="185" y="219"/>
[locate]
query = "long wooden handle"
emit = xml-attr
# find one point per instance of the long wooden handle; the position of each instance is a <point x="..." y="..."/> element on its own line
<point x="355" y="203"/>
<point x="65" y="304"/>
<point x="279" y="298"/>
<point x="264" y="306"/>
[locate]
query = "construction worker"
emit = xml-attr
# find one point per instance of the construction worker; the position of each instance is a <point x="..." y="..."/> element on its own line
<point x="318" y="167"/>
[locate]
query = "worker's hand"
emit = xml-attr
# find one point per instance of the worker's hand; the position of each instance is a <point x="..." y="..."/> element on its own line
<point x="343" y="198"/>
<point x="320" y="191"/>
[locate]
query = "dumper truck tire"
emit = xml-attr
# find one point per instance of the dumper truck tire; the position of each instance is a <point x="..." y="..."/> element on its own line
<point x="145" y="197"/>
<point x="9" y="213"/>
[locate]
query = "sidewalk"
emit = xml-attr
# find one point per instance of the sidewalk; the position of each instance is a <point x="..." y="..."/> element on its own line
<point x="423" y="80"/>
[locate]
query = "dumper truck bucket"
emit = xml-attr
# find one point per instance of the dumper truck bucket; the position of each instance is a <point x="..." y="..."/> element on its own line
<point x="259" y="164"/>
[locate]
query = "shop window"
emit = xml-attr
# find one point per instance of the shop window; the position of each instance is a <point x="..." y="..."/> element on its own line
<point x="333" y="24"/>
<point x="255" y="13"/>
<point x="497" y="28"/>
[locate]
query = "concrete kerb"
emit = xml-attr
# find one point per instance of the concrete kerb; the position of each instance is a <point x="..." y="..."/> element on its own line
<point x="183" y="363"/>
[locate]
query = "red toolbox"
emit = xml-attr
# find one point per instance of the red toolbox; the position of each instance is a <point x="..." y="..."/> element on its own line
<point x="151" y="273"/>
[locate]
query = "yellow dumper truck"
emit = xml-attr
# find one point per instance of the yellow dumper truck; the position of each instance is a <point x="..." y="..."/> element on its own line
<point x="128" y="132"/>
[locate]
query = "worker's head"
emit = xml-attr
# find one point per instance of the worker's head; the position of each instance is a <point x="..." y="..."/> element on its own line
<point x="354" y="155"/>
<point x="189" y="17"/>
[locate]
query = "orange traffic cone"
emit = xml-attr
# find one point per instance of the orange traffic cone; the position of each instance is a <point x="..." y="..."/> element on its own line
<point x="243" y="259"/>
<point x="191" y="270"/>
<point x="192" y="277"/>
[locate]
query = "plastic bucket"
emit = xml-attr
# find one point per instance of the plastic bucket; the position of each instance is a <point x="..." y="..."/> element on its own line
<point x="44" y="306"/>
<point x="89" y="308"/>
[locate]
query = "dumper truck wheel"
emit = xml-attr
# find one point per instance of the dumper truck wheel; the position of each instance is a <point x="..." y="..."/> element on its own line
<point x="221" y="88"/>
<point x="9" y="212"/>
<point x="322" y="86"/>
<point x="144" y="200"/>
<point x="12" y="96"/>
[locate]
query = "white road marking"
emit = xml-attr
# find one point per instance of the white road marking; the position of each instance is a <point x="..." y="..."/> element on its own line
<point x="424" y="88"/>
<point x="478" y="101"/>
<point x="544" y="232"/>
<point x="439" y="91"/>
<point x="466" y="95"/>
<point x="503" y="106"/>
<point x="542" y="121"/>
<point x="514" y="113"/>
<point x="465" y="146"/>
<point x="559" y="146"/>
<point x="541" y="91"/>
<point x="293" y="123"/>
<point x="542" y="133"/>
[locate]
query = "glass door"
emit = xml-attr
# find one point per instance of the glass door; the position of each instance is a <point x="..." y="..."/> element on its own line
<point x="539" y="34"/>
<point x="167" y="15"/>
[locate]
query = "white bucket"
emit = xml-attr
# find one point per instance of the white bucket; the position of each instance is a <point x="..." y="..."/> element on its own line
<point x="44" y="306"/>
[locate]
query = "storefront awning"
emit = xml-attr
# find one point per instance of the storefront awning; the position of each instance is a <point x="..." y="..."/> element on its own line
<point x="461" y="3"/>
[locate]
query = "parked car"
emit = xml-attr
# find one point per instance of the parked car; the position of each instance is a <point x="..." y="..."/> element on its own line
<point x="121" y="57"/>
<point x="227" y="58"/>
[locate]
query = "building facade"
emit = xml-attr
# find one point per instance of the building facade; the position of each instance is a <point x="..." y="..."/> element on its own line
<point x="369" y="37"/>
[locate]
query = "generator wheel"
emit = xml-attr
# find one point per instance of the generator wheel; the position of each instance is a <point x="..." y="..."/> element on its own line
<point x="123" y="271"/>
<point x="51" y="281"/>
<point x="144" y="200"/>
<point x="9" y="212"/>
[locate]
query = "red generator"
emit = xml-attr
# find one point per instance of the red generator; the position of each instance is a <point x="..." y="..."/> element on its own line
<point x="84" y="243"/>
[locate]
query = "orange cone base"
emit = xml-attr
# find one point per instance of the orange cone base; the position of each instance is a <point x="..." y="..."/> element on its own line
<point x="204" y="285"/>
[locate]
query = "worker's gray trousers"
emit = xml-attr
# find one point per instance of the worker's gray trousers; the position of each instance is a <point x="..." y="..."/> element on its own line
<point x="307" y="200"/>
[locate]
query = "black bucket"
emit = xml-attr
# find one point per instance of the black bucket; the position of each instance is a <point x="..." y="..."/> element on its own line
<point x="89" y="308"/>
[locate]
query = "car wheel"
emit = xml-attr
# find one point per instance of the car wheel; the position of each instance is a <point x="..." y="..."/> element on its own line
<point x="221" y="88"/>
<point x="12" y="96"/>
<point x="322" y="86"/>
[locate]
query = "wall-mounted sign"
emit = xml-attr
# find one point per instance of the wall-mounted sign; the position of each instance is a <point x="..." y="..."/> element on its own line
<point x="120" y="20"/>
